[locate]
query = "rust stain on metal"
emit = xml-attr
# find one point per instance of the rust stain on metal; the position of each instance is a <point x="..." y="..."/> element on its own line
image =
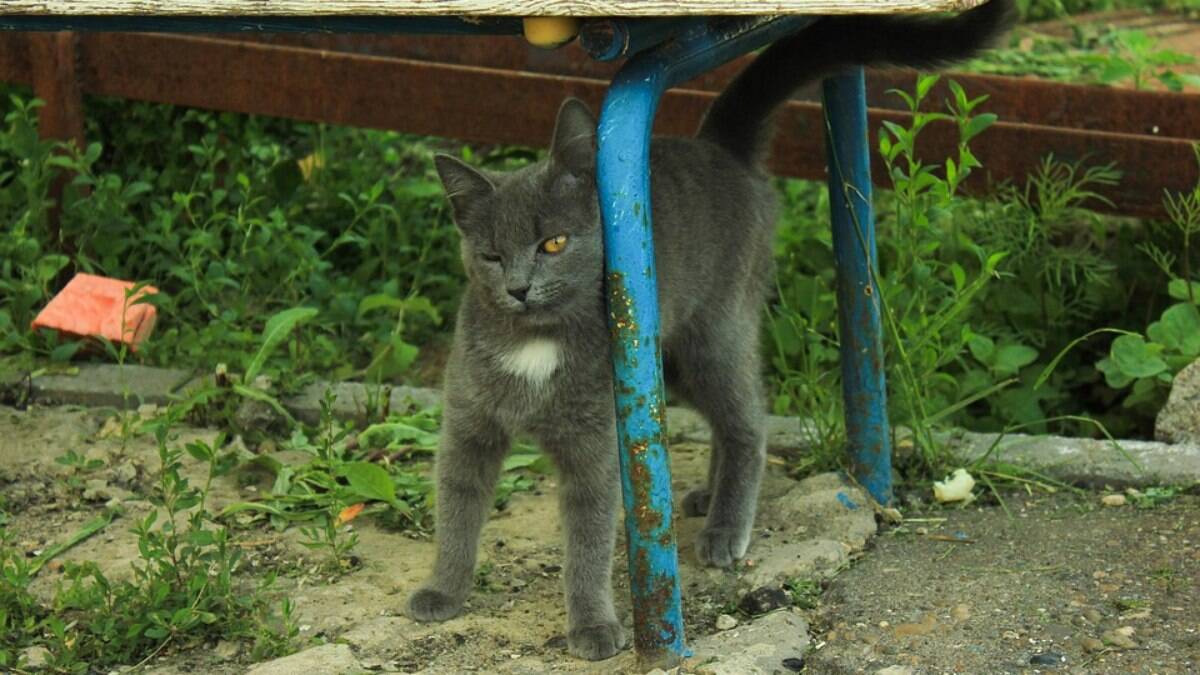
<point x="647" y="519"/>
<point x="651" y="631"/>
<point x="658" y="414"/>
<point x="620" y="306"/>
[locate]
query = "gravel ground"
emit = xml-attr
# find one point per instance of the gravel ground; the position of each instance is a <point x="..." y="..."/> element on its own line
<point x="1064" y="584"/>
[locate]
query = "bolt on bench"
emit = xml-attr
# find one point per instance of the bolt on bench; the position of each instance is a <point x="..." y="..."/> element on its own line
<point x="666" y="42"/>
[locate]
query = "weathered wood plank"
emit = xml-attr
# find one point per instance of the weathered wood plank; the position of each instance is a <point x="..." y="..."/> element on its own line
<point x="473" y="7"/>
<point x="54" y="70"/>
<point x="474" y="104"/>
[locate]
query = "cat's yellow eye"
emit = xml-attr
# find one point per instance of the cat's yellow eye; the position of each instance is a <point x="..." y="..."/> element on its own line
<point x="554" y="244"/>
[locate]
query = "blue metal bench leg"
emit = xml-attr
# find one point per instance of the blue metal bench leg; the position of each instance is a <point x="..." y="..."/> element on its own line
<point x="863" y="386"/>
<point x="623" y="178"/>
<point x="624" y="181"/>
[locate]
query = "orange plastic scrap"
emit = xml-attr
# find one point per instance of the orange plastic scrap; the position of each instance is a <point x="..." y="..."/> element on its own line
<point x="94" y="306"/>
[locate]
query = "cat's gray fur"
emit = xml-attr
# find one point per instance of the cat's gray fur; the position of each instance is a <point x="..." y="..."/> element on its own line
<point x="713" y="214"/>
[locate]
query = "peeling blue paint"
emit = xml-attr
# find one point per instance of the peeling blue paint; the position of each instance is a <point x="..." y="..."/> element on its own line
<point x="859" y="328"/>
<point x="623" y="177"/>
<point x="846" y="501"/>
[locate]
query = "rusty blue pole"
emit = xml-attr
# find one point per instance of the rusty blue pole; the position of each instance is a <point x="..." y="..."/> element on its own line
<point x="623" y="177"/>
<point x="864" y="389"/>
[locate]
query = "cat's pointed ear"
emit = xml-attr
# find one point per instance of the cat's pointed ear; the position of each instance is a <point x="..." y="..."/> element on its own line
<point x="574" y="145"/>
<point x="465" y="186"/>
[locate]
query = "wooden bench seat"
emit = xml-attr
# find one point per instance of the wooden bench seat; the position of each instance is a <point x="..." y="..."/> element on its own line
<point x="579" y="8"/>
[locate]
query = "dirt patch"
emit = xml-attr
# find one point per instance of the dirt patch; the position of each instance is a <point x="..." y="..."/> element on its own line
<point x="1063" y="585"/>
<point x="1064" y="582"/>
<point x="515" y="619"/>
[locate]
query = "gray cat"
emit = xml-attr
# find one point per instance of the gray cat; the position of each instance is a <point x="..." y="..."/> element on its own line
<point x="531" y="347"/>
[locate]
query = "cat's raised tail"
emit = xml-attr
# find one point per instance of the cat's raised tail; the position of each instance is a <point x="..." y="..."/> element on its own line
<point x="740" y="119"/>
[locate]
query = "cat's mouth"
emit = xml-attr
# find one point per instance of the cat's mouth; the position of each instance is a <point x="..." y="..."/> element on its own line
<point x="534" y="314"/>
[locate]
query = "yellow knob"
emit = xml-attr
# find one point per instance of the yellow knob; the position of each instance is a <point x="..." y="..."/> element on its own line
<point x="550" y="31"/>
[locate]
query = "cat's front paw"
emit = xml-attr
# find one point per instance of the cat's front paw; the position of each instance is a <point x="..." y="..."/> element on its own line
<point x="695" y="503"/>
<point x="596" y="642"/>
<point x="721" y="546"/>
<point x="428" y="604"/>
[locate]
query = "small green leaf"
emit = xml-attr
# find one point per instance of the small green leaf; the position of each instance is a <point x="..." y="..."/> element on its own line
<point x="392" y="435"/>
<point x="1112" y="374"/>
<point x="1010" y="358"/>
<point x="1117" y="69"/>
<point x="1179" y="329"/>
<point x="982" y="348"/>
<point x="1135" y="358"/>
<point x="977" y="125"/>
<point x="924" y="84"/>
<point x="277" y="329"/>
<point x="200" y="451"/>
<point x="378" y="301"/>
<point x="960" y="276"/>
<point x="1178" y="289"/>
<point x="369" y="481"/>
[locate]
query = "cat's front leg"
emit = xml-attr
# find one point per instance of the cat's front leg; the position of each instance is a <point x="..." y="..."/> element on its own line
<point x="589" y="497"/>
<point x="472" y="449"/>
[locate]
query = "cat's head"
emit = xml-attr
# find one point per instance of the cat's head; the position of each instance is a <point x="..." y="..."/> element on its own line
<point x="531" y="239"/>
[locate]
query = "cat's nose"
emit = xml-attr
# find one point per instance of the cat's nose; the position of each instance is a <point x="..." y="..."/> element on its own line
<point x="519" y="292"/>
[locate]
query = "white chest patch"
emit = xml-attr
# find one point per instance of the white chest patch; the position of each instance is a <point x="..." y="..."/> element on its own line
<point x="535" y="360"/>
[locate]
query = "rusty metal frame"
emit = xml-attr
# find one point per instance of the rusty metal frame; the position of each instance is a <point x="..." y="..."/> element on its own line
<point x="341" y="87"/>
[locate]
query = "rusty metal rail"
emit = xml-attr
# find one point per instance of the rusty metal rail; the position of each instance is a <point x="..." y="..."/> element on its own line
<point x="438" y="90"/>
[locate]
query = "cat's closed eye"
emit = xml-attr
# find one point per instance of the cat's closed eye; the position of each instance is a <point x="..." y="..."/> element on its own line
<point x="554" y="245"/>
<point x="489" y="257"/>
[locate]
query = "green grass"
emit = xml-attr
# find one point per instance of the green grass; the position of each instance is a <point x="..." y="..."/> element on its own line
<point x="288" y="251"/>
<point x="342" y="234"/>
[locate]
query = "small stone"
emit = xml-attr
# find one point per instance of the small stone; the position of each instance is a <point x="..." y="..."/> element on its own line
<point x="125" y="473"/>
<point x="725" y="622"/>
<point x="960" y="613"/>
<point x="1113" y="500"/>
<point x="35" y="657"/>
<point x="1178" y="421"/>
<point x="96" y="489"/>
<point x="891" y="516"/>
<point x="1047" y="659"/>
<point x="1093" y="615"/>
<point x="896" y="670"/>
<point x="925" y="627"/>
<point x="794" y="664"/>
<point x="1092" y="645"/>
<point x="226" y="650"/>
<point x="1118" y="638"/>
<point x="763" y="600"/>
<point x="328" y="659"/>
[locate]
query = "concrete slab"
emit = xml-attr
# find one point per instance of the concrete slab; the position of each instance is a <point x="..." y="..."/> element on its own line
<point x="104" y="385"/>
<point x="771" y="644"/>
<point x="1086" y="461"/>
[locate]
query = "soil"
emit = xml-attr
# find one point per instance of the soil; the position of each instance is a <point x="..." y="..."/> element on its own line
<point x="514" y="621"/>
<point x="1059" y="571"/>
<point x="1063" y="577"/>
